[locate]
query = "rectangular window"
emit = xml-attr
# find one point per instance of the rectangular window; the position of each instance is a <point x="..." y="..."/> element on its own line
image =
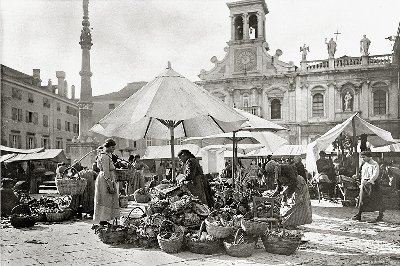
<point x="16" y="93"/>
<point x="20" y="115"/>
<point x="58" y="124"/>
<point x="148" y="141"/>
<point x="46" y="103"/>
<point x="45" y="142"/>
<point x="75" y="128"/>
<point x="29" y="117"/>
<point x="379" y="102"/>
<point x="30" y="97"/>
<point x="318" y="105"/>
<point x="14" y="114"/>
<point x="59" y="143"/>
<point x="134" y="143"/>
<point x="67" y="126"/>
<point x="111" y="106"/>
<point x="30" y="141"/>
<point x="15" y="141"/>
<point x="58" y="107"/>
<point x="45" y="120"/>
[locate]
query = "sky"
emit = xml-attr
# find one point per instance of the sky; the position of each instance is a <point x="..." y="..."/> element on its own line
<point x="134" y="39"/>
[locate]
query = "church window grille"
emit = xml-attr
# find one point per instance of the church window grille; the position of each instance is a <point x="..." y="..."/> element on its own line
<point x="276" y="109"/>
<point x="318" y="105"/>
<point x="379" y="102"/>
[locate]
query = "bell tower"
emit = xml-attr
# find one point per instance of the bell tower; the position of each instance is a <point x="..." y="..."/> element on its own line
<point x="247" y="20"/>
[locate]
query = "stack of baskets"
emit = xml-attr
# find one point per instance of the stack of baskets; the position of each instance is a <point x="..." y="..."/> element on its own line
<point x="240" y="247"/>
<point x="172" y="243"/>
<point x="71" y="183"/>
<point x="21" y="216"/>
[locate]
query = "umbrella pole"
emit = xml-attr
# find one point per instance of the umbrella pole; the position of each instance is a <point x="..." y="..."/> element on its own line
<point x="355" y="142"/>
<point x="171" y="131"/>
<point x="233" y="160"/>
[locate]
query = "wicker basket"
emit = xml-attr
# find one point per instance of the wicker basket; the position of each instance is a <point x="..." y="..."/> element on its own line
<point x="21" y="216"/>
<point x="140" y="197"/>
<point x="173" y="245"/>
<point x="235" y="249"/>
<point x="218" y="231"/>
<point x="280" y="245"/>
<point x="122" y="175"/>
<point x="67" y="186"/>
<point x="204" y="247"/>
<point x="130" y="220"/>
<point x="254" y="227"/>
<point x="111" y="234"/>
<point x="123" y="201"/>
<point x="55" y="216"/>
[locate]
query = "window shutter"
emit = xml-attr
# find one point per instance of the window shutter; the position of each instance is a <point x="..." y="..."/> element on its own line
<point x="27" y="116"/>
<point x="35" y="118"/>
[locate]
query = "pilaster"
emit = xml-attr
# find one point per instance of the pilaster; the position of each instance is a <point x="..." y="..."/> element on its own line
<point x="245" y="26"/>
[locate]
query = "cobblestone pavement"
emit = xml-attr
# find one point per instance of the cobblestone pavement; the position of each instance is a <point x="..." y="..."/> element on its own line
<point x="332" y="239"/>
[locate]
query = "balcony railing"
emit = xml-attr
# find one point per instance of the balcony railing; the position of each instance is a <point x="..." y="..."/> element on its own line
<point x="380" y="59"/>
<point x="348" y="62"/>
<point x="317" y="65"/>
<point x="254" y="110"/>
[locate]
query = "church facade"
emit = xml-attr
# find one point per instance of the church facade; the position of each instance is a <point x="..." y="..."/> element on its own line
<point x="310" y="99"/>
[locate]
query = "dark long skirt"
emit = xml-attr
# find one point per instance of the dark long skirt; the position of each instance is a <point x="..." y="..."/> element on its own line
<point x="197" y="188"/>
<point x="370" y="198"/>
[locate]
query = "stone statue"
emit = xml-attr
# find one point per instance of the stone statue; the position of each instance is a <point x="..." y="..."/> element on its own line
<point x="347" y="102"/>
<point x="304" y="49"/>
<point x="364" y="45"/>
<point x="331" y="46"/>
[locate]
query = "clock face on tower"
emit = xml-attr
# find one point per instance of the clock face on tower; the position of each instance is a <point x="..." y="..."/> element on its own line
<point x="245" y="60"/>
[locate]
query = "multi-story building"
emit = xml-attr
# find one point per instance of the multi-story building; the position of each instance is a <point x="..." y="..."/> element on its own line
<point x="36" y="116"/>
<point x="310" y="99"/>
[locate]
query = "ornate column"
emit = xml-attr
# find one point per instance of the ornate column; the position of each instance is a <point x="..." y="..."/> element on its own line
<point x="260" y="25"/>
<point x="245" y="17"/>
<point x="84" y="144"/>
<point x="233" y="30"/>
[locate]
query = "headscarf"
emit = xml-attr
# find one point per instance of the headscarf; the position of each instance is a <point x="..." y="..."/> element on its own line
<point x="109" y="143"/>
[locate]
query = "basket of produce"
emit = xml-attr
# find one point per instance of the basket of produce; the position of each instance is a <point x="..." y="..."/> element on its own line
<point x="56" y="216"/>
<point x="219" y="224"/>
<point x="203" y="243"/>
<point x="170" y="237"/>
<point x="266" y="207"/>
<point x="122" y="175"/>
<point x="134" y="217"/>
<point x="141" y="196"/>
<point x="110" y="234"/>
<point x="281" y="242"/>
<point x="71" y="183"/>
<point x="21" y="216"/>
<point x="253" y="225"/>
<point x="241" y="246"/>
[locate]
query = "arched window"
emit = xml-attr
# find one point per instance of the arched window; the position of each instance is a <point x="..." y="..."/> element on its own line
<point x="379" y="102"/>
<point x="253" y="27"/>
<point x="276" y="109"/>
<point x="239" y="28"/>
<point x="246" y="100"/>
<point x="318" y="105"/>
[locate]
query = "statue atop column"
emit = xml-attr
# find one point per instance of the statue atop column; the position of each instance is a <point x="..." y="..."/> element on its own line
<point x="331" y="46"/>
<point x="305" y="49"/>
<point x="364" y="45"/>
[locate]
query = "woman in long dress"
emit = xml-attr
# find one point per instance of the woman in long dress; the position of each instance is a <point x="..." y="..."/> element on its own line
<point x="299" y="212"/>
<point x="137" y="179"/>
<point x="106" y="202"/>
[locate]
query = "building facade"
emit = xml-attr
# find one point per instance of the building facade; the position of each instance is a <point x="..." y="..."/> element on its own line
<point x="34" y="116"/>
<point x="310" y="99"/>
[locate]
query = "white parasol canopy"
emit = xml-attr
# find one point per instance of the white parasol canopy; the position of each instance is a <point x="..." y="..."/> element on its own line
<point x="168" y="107"/>
<point x="355" y="126"/>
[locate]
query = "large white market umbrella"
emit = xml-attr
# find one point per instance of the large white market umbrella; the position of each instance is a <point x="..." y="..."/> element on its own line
<point x="355" y="126"/>
<point x="168" y="107"/>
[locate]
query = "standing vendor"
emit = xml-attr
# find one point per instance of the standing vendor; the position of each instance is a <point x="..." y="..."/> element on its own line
<point x="193" y="175"/>
<point x="370" y="198"/>
<point x="299" y="212"/>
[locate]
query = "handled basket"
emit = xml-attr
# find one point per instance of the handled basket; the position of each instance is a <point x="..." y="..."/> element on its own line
<point x="204" y="247"/>
<point x="236" y="249"/>
<point x="171" y="245"/>
<point x="122" y="175"/>
<point x="71" y="186"/>
<point x="21" y="216"/>
<point x="217" y="230"/>
<point x="280" y="245"/>
<point x="132" y="221"/>
<point x="111" y="234"/>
